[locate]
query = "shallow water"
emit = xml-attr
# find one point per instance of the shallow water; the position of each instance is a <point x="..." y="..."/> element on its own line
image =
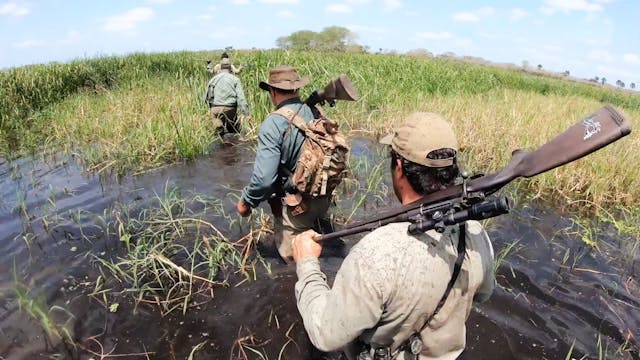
<point x="554" y="292"/>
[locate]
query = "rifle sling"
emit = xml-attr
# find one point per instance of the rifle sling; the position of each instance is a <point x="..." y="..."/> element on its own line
<point x="462" y="247"/>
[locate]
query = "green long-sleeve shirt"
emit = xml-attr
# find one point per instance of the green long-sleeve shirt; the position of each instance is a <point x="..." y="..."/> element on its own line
<point x="225" y="89"/>
<point x="279" y="146"/>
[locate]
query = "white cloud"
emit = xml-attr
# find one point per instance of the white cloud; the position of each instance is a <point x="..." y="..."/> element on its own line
<point x="279" y="1"/>
<point x="435" y="35"/>
<point x="517" y="14"/>
<point x="600" y="55"/>
<point x="567" y="6"/>
<point x="240" y="2"/>
<point x="357" y="2"/>
<point x="616" y="71"/>
<point x="29" y="44"/>
<point x="366" y="29"/>
<point x="632" y="58"/>
<point x="128" y="20"/>
<point x="159" y="1"/>
<point x="473" y="16"/>
<point x="71" y="37"/>
<point x="338" y="8"/>
<point x="486" y="11"/>
<point x="285" y="14"/>
<point x="390" y="5"/>
<point x="465" y="17"/>
<point x="13" y="9"/>
<point x="224" y="33"/>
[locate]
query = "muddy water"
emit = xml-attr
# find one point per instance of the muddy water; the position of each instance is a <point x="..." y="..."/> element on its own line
<point x="555" y="293"/>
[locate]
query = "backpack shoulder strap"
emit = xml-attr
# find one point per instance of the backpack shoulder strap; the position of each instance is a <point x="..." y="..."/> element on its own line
<point x="293" y="117"/>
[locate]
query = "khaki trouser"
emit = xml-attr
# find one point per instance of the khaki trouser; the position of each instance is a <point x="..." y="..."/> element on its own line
<point x="225" y="119"/>
<point x="289" y="223"/>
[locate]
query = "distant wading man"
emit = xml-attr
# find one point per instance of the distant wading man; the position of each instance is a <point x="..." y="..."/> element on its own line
<point x="279" y="146"/>
<point x="217" y="68"/>
<point x="389" y="287"/>
<point x="225" y="96"/>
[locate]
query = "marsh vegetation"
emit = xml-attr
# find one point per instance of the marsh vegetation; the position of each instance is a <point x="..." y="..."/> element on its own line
<point x="117" y="207"/>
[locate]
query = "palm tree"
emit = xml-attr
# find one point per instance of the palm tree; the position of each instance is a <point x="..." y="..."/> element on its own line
<point x="603" y="80"/>
<point x="539" y="66"/>
<point x="633" y="85"/>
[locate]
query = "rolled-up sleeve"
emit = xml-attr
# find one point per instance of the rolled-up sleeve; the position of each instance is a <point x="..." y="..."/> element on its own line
<point x="334" y="317"/>
<point x="265" y="168"/>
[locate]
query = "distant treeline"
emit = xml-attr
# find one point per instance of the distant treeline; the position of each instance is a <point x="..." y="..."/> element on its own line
<point x="381" y="78"/>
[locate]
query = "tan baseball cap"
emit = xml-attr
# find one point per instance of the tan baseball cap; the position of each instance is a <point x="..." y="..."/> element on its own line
<point x="420" y="134"/>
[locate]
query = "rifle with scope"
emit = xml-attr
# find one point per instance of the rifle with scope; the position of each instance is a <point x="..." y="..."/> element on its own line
<point x="469" y="200"/>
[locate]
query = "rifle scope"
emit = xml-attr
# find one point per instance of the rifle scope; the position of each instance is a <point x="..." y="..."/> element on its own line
<point x="480" y="211"/>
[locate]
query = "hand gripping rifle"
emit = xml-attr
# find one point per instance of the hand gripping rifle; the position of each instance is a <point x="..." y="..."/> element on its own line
<point x="468" y="200"/>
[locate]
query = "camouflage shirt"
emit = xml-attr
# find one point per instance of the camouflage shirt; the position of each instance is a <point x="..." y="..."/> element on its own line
<point x="225" y="89"/>
<point x="388" y="286"/>
<point x="279" y="145"/>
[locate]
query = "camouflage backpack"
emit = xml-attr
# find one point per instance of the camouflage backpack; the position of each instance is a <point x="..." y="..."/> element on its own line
<point x="323" y="158"/>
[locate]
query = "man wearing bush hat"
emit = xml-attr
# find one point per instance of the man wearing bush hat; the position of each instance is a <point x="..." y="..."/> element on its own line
<point x="391" y="295"/>
<point x="225" y="96"/>
<point x="279" y="145"/>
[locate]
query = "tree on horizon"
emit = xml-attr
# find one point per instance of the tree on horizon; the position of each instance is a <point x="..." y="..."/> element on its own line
<point x="332" y="38"/>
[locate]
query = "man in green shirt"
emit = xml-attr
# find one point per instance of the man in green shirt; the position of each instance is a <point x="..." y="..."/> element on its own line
<point x="224" y="96"/>
<point x="279" y="146"/>
<point x="389" y="287"/>
<point x="217" y="68"/>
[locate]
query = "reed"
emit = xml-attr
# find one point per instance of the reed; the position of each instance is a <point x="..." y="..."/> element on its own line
<point x="172" y="254"/>
<point x="128" y="114"/>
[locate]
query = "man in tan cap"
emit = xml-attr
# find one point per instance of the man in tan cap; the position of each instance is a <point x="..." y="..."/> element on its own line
<point x="217" y="68"/>
<point x="279" y="145"/>
<point x="225" y="96"/>
<point x="386" y="296"/>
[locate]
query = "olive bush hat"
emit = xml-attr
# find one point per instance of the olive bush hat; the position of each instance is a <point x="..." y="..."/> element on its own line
<point x="285" y="78"/>
<point x="420" y="134"/>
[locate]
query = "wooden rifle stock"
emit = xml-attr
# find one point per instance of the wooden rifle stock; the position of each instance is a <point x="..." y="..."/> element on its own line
<point x="600" y="129"/>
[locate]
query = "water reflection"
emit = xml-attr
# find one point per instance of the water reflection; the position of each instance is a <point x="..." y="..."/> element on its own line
<point x="555" y="292"/>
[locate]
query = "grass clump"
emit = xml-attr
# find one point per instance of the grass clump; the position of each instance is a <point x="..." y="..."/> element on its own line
<point x="172" y="256"/>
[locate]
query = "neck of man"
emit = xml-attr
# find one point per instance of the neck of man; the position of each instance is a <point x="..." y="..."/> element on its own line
<point x="409" y="196"/>
<point x="279" y="97"/>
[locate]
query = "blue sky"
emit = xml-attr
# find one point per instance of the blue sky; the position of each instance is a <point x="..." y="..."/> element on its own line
<point x="587" y="37"/>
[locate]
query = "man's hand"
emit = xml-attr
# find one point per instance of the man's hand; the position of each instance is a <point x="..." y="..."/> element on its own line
<point x="304" y="246"/>
<point x="243" y="209"/>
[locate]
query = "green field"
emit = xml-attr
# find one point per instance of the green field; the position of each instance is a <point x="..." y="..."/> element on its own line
<point x="123" y="115"/>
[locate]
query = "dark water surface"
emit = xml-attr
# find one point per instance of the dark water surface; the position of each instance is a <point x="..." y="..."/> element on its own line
<point x="555" y="293"/>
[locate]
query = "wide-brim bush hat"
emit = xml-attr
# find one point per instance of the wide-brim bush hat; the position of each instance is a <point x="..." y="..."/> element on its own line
<point x="284" y="77"/>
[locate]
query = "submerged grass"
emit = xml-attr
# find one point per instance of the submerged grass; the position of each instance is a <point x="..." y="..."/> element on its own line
<point x="172" y="257"/>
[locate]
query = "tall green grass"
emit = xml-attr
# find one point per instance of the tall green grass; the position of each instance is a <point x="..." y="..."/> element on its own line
<point x="131" y="113"/>
<point x="385" y="82"/>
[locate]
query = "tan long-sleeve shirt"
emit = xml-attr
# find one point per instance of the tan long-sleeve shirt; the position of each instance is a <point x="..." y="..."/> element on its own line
<point x="388" y="286"/>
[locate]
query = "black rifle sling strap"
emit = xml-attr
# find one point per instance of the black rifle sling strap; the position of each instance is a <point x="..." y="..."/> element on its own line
<point x="462" y="247"/>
